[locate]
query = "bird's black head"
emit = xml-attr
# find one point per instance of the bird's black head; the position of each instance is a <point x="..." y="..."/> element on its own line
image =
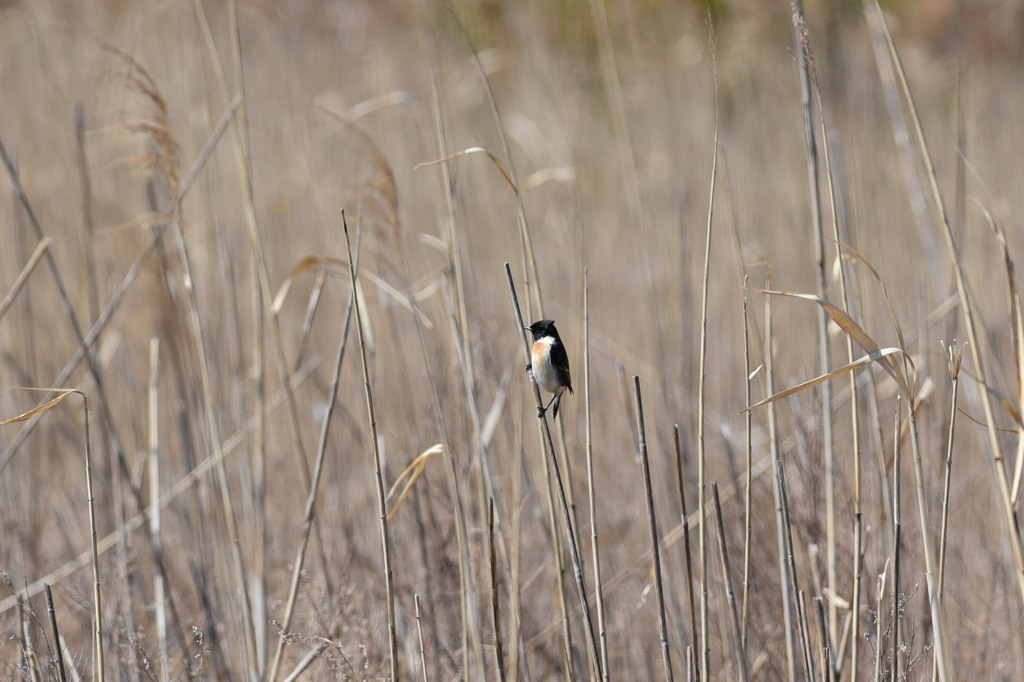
<point x="542" y="328"/>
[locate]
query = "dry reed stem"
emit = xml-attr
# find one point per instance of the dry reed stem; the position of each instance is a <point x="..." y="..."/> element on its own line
<point x="686" y="543"/>
<point x="747" y="422"/>
<point x="557" y="552"/>
<point x="645" y="470"/>
<point x="419" y="636"/>
<point x="788" y="598"/>
<point x="570" y="532"/>
<point x="879" y="642"/>
<point x="823" y="346"/>
<point x="466" y="585"/>
<point x="83" y="173"/>
<point x="29" y="662"/>
<point x="378" y="474"/>
<point x="730" y="593"/>
<point x="591" y="487"/>
<point x="854" y="402"/>
<point x="954" y="358"/>
<point x="66" y="652"/>
<point x="498" y="652"/>
<point x="926" y="544"/>
<point x="97" y="606"/>
<point x="827" y="671"/>
<point x="159" y="584"/>
<point x="897" y="523"/>
<point x="307" y="660"/>
<point x="701" y="397"/>
<point x="52" y="614"/>
<point x="790" y="558"/>
<point x="41" y="248"/>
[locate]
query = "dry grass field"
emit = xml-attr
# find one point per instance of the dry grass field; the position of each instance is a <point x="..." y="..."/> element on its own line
<point x="211" y="500"/>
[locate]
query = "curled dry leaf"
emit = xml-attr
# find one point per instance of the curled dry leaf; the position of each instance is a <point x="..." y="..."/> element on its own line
<point x="413" y="472"/>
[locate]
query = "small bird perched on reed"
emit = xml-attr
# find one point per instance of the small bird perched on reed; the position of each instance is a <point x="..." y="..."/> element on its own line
<point x="549" y="363"/>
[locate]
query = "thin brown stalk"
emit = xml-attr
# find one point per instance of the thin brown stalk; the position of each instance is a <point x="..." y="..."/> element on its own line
<point x="926" y="545"/>
<point x="97" y="605"/>
<point x="818" y="231"/>
<point x="826" y="652"/>
<point x="307" y="660"/>
<point x="29" y="661"/>
<point x="730" y="593"/>
<point x="686" y="544"/>
<point x="468" y="615"/>
<point x="805" y="635"/>
<point x="748" y="424"/>
<point x="51" y="612"/>
<point x="378" y="474"/>
<point x="307" y="322"/>
<point x="419" y="635"/>
<point x="591" y="488"/>
<point x="87" y="218"/>
<point x="897" y="524"/>
<point x="879" y="619"/>
<point x="159" y="597"/>
<point x="705" y="646"/>
<point x="570" y="532"/>
<point x="788" y="597"/>
<point x="495" y="611"/>
<point x="558" y="553"/>
<point x="854" y="401"/>
<point x="645" y="469"/>
<point x="798" y="594"/>
<point x="955" y="356"/>
<point x="41" y="248"/>
<point x="73" y="670"/>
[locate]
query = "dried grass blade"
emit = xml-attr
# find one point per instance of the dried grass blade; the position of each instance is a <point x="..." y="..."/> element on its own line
<point x="1017" y="329"/>
<point x="859" y="336"/>
<point x="413" y="472"/>
<point x="19" y="283"/>
<point x="39" y="409"/>
<point x="881" y="285"/>
<point x="877" y="356"/>
<point x="467" y="152"/>
<point x="308" y="263"/>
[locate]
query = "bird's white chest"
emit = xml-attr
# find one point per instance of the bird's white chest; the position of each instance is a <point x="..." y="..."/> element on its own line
<point x="543" y="370"/>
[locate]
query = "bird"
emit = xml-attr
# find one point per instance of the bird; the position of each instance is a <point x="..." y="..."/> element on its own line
<point x="549" y="363"/>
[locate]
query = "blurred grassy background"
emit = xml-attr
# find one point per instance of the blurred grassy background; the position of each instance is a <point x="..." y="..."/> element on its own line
<point x="339" y="113"/>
